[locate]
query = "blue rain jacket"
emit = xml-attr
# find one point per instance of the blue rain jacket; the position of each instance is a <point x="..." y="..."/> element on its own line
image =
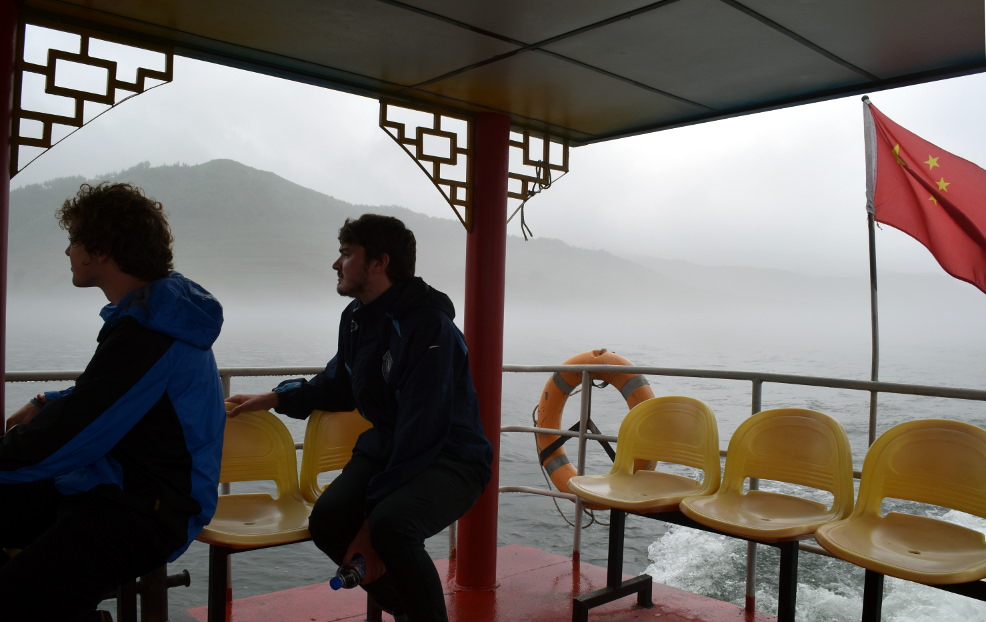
<point x="144" y="422"/>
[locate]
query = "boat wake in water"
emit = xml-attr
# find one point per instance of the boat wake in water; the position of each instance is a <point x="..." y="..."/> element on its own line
<point x="829" y="590"/>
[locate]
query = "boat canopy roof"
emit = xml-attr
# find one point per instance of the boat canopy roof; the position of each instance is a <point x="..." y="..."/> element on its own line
<point x="580" y="70"/>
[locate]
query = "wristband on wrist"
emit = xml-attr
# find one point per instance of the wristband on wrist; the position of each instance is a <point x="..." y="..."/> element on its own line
<point x="39" y="400"/>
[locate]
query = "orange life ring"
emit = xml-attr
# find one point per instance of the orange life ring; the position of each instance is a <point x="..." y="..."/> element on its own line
<point x="633" y="387"/>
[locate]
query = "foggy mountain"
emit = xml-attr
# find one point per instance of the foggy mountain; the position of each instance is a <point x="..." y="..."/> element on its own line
<point x="241" y="230"/>
<point x="246" y="233"/>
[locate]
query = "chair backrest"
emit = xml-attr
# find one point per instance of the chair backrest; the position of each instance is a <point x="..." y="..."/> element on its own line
<point x="934" y="461"/>
<point x="329" y="441"/>
<point x="257" y="446"/>
<point x="793" y="445"/>
<point x="675" y="429"/>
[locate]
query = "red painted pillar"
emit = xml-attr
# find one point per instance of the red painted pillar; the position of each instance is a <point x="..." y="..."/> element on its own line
<point x="486" y="249"/>
<point x="8" y="46"/>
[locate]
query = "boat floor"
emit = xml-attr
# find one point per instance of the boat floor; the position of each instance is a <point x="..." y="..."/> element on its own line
<point x="531" y="585"/>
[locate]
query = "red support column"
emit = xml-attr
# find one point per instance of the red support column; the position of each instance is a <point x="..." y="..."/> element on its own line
<point x="8" y="46"/>
<point x="486" y="249"/>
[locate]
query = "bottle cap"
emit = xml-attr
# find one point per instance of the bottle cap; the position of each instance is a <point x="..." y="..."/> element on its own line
<point x="335" y="583"/>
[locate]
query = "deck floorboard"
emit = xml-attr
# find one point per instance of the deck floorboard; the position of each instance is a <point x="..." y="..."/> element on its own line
<point x="532" y="585"/>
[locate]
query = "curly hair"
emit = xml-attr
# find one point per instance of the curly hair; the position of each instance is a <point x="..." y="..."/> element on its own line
<point x="119" y="220"/>
<point x="383" y="234"/>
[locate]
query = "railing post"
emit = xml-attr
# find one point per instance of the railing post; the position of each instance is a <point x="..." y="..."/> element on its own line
<point x="585" y="409"/>
<point x="226" y="380"/>
<point x="750" y="602"/>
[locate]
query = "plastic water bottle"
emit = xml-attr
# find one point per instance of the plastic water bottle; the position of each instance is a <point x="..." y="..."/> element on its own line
<point x="349" y="574"/>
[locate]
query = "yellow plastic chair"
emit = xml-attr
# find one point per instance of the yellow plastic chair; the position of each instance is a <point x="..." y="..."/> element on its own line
<point x="931" y="461"/>
<point x="256" y="447"/>
<point x="329" y="441"/>
<point x="678" y="430"/>
<point x="793" y="445"/>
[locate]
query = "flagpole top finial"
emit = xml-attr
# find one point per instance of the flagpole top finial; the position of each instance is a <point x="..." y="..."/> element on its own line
<point x="866" y="99"/>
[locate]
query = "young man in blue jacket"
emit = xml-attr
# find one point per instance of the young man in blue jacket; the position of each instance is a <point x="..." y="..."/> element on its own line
<point x="403" y="364"/>
<point x="109" y="479"/>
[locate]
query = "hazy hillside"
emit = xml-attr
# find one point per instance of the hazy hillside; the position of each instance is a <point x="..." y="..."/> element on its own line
<point x="241" y="230"/>
<point x="220" y="212"/>
<point x="264" y="246"/>
<point x="249" y="234"/>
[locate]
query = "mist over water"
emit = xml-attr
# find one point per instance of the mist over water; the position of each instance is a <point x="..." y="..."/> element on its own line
<point x="59" y="334"/>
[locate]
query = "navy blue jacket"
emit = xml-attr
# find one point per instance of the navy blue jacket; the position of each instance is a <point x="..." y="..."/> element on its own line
<point x="144" y="422"/>
<point x="404" y="365"/>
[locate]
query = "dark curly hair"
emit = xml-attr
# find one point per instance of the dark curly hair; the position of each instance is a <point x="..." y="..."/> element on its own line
<point x="383" y="234"/>
<point x="120" y="221"/>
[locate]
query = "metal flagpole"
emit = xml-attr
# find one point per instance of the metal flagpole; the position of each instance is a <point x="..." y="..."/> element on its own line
<point x="871" y="164"/>
<point x="875" y="329"/>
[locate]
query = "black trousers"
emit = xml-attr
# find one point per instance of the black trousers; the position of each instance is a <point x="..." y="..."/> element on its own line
<point x="76" y="549"/>
<point x="399" y="526"/>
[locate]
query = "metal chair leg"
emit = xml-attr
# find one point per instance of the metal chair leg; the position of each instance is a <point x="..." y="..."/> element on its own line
<point x="126" y="602"/>
<point x="872" y="596"/>
<point x="220" y="590"/>
<point x="153" y="588"/>
<point x="787" y="589"/>
<point x="373" y="611"/>
<point x="615" y="588"/>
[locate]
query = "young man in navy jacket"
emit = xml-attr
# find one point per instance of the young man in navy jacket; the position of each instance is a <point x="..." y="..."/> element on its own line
<point x="403" y="364"/>
<point x="111" y="478"/>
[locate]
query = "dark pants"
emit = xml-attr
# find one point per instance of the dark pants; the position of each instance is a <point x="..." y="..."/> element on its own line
<point x="399" y="526"/>
<point x="76" y="549"/>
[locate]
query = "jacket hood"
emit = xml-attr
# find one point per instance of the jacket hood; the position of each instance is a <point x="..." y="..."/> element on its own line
<point x="175" y="306"/>
<point x="414" y="294"/>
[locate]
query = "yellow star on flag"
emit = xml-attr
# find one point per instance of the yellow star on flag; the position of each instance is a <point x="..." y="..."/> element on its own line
<point x="897" y="156"/>
<point x="943" y="185"/>
<point x="932" y="162"/>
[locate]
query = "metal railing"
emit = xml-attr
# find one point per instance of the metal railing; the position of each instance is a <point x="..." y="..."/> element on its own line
<point x="757" y="380"/>
<point x="226" y="374"/>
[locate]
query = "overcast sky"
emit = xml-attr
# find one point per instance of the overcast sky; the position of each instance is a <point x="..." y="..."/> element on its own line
<point x="782" y="189"/>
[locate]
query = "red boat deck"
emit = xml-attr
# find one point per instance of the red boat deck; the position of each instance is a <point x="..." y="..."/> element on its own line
<point x="532" y="585"/>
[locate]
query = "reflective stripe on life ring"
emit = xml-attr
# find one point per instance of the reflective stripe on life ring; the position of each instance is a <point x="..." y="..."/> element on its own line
<point x="633" y="387"/>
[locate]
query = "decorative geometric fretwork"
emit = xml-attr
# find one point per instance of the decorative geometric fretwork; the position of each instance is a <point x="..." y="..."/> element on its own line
<point x="35" y="127"/>
<point x="540" y="158"/>
<point x="440" y="144"/>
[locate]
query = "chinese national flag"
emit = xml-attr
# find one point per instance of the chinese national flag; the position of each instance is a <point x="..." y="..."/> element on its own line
<point x="935" y="197"/>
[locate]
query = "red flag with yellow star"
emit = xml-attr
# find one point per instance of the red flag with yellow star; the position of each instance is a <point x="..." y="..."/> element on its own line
<point x="935" y="197"/>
